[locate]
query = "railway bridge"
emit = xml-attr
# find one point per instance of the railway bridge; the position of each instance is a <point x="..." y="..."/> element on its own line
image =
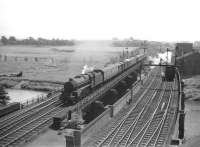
<point x="146" y="115"/>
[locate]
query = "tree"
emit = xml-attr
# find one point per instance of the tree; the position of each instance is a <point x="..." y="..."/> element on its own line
<point x="12" y="40"/>
<point x="3" y="96"/>
<point x="4" y="40"/>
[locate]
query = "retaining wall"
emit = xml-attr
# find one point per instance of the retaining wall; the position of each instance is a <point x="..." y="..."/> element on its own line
<point x="96" y="124"/>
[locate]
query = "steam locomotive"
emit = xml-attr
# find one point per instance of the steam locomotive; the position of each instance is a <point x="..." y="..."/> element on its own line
<point x="81" y="85"/>
<point x="168" y="73"/>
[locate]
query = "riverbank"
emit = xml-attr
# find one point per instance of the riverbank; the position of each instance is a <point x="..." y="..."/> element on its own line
<point x="25" y="96"/>
<point x="37" y="85"/>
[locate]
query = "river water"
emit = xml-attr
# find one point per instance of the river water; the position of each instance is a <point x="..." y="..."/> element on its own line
<point x="19" y="95"/>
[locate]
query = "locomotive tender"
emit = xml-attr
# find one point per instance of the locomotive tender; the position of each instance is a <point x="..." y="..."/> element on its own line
<point x="168" y="73"/>
<point x="80" y="86"/>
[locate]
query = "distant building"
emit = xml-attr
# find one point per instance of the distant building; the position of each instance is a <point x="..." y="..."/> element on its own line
<point x="183" y="48"/>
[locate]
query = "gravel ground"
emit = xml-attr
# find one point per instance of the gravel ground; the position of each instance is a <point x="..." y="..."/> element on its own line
<point x="48" y="139"/>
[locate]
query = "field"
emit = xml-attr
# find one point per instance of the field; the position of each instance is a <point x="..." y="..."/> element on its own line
<point x="55" y="63"/>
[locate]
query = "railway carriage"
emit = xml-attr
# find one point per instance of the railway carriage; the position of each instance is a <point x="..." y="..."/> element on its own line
<point x="110" y="71"/>
<point x="126" y="63"/>
<point x="132" y="61"/>
<point x="9" y="108"/>
<point x="99" y="77"/>
<point x="121" y="67"/>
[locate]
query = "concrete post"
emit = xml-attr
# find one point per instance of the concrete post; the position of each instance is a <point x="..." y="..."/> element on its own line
<point x="72" y="138"/>
<point x="111" y="110"/>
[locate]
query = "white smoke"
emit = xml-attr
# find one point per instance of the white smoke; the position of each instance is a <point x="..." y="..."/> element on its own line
<point x="127" y="59"/>
<point x="161" y="56"/>
<point x="86" y="69"/>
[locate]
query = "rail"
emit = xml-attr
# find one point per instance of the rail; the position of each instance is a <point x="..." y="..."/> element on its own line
<point x="147" y="129"/>
<point x="16" y="114"/>
<point x="20" y="120"/>
<point x="108" y="110"/>
<point x="129" y="119"/>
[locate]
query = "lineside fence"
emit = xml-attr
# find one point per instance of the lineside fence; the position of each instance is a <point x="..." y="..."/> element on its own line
<point x="26" y="58"/>
<point x="38" y="99"/>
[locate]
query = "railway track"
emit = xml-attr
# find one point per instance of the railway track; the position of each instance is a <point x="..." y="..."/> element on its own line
<point x="15" y="127"/>
<point x="26" y="131"/>
<point x="152" y="126"/>
<point x="138" y="101"/>
<point x="15" y="115"/>
<point x="132" y="118"/>
<point x="160" y="136"/>
<point x="146" y="124"/>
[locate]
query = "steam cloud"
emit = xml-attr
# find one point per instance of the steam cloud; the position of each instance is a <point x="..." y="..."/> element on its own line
<point x="163" y="56"/>
<point x="86" y="69"/>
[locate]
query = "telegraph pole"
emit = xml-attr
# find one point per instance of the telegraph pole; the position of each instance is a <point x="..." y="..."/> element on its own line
<point x="127" y="51"/>
<point x="144" y="46"/>
<point x="167" y="54"/>
<point x="123" y="55"/>
<point x="127" y="48"/>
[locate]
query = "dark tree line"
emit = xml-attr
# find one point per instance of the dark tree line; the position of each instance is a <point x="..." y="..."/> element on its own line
<point x="31" y="41"/>
<point x="127" y="42"/>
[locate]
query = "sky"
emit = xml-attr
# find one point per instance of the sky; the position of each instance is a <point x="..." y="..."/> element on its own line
<point x="158" y="20"/>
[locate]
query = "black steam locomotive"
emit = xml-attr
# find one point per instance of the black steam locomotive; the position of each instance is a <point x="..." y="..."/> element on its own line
<point x="168" y="73"/>
<point x="80" y="86"/>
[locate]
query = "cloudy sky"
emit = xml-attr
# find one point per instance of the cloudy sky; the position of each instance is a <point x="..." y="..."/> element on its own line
<point x="163" y="20"/>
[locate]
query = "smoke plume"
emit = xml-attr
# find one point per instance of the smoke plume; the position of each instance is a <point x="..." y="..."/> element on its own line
<point x="86" y="69"/>
<point x="161" y="56"/>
